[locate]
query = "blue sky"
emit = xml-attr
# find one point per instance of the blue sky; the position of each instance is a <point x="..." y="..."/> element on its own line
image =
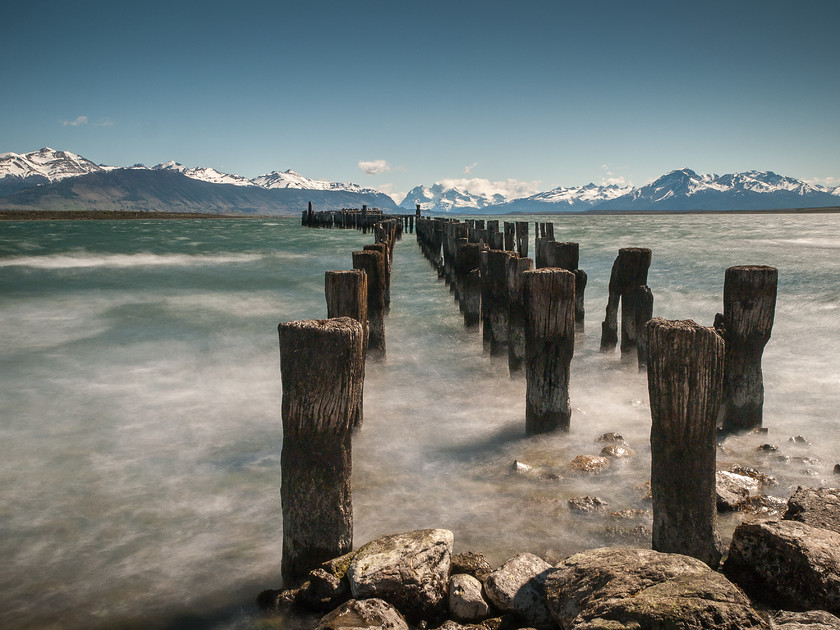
<point x="529" y="94"/>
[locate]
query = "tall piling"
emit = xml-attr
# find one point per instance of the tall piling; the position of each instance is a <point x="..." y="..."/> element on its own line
<point x="749" y="306"/>
<point x="516" y="312"/>
<point x="510" y="236"/>
<point x="685" y="384"/>
<point x="627" y="279"/>
<point x="549" y="297"/>
<point x="522" y="239"/>
<point x="372" y="262"/>
<point x="322" y="370"/>
<point x="494" y="303"/>
<point x="383" y="248"/>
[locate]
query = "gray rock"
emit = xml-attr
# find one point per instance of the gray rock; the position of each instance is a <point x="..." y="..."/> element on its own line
<point x="590" y="464"/>
<point x="369" y="613"/>
<point x="733" y="490"/>
<point x="811" y="620"/>
<point x="760" y="477"/>
<point x="787" y="563"/>
<point x="611" y="438"/>
<point x="409" y="570"/>
<point x="620" y="588"/>
<point x="454" y="625"/>
<point x="465" y="600"/>
<point x="617" y="451"/>
<point x="819" y="507"/>
<point x="587" y="504"/>
<point x="324" y="590"/>
<point x="518" y="587"/>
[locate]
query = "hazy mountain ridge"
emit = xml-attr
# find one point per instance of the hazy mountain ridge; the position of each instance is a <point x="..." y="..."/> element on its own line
<point x="53" y="180"/>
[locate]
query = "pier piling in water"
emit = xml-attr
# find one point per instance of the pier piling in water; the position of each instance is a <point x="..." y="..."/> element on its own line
<point x="685" y="383"/>
<point x="494" y="301"/>
<point x="516" y="312"/>
<point x="522" y="239"/>
<point x="749" y="305"/>
<point x="549" y="298"/>
<point x="628" y="285"/>
<point x="322" y="372"/>
<point x="372" y="262"/>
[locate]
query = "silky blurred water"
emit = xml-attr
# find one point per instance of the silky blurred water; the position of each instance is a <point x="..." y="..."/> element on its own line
<point x="140" y="426"/>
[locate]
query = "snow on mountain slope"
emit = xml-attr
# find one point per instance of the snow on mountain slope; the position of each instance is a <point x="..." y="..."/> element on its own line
<point x="441" y="198"/>
<point x="48" y="163"/>
<point x="291" y="179"/>
<point x="204" y="174"/>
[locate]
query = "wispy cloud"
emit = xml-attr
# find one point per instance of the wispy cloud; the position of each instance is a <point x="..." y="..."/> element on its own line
<point x="828" y="182"/>
<point x="468" y="169"/>
<point x="396" y="195"/>
<point x="80" y="120"/>
<point x="509" y="188"/>
<point x="609" y="178"/>
<point x="374" y="167"/>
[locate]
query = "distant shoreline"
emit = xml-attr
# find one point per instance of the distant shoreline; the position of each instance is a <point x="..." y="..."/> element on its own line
<point x="97" y="215"/>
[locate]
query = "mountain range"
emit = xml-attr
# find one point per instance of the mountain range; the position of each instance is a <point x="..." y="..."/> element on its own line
<point x="60" y="180"/>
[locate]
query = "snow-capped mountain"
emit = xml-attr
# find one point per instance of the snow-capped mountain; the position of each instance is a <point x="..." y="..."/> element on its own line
<point x="204" y="174"/>
<point x="291" y="179"/>
<point x="563" y="199"/>
<point x="440" y="198"/>
<point x="754" y="190"/>
<point x="19" y="171"/>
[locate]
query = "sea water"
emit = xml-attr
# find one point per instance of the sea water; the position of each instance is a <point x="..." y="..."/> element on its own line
<point x="140" y="428"/>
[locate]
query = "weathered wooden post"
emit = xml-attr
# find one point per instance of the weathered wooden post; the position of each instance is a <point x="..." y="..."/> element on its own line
<point x="516" y="312"/>
<point x="749" y="306"/>
<point x="628" y="285"/>
<point x="549" y="296"/>
<point x="495" y="305"/>
<point x="383" y="248"/>
<point x="346" y="294"/>
<point x="510" y="236"/>
<point x="522" y="238"/>
<point x="685" y="383"/>
<point x="322" y="369"/>
<point x="372" y="262"/>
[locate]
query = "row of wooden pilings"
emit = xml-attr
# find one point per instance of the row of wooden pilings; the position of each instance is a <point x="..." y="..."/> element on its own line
<point x="698" y="377"/>
<point x="322" y="366"/>
<point x="364" y="219"/>
<point x="695" y="375"/>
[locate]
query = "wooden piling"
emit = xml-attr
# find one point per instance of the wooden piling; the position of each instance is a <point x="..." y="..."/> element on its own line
<point x="383" y="249"/>
<point x="685" y="384"/>
<point x="749" y="305"/>
<point x="322" y="371"/>
<point x="516" y="312"/>
<point x="372" y="262"/>
<point x="510" y="236"/>
<point x="629" y="274"/>
<point x="522" y="238"/>
<point x="549" y="297"/>
<point x="494" y="303"/>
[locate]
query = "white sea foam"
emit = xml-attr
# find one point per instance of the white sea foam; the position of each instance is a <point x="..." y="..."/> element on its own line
<point x="83" y="260"/>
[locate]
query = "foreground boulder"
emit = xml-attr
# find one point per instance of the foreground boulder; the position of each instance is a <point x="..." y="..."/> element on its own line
<point x="369" y="613"/>
<point x="466" y="602"/>
<point x="410" y="571"/>
<point x="819" y="507"/>
<point x="624" y="589"/>
<point x="518" y="587"/>
<point x="812" y="620"/>
<point x="787" y="563"/>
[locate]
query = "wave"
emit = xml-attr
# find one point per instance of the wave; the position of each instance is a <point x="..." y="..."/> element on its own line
<point x="125" y="261"/>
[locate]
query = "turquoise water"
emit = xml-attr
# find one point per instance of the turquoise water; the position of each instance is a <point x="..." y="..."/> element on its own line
<point x="140" y="404"/>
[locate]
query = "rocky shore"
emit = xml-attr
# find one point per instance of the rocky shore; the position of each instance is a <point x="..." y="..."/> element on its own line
<point x="780" y="573"/>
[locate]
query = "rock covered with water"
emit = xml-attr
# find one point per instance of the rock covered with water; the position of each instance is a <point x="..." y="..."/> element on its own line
<point x="590" y="464"/>
<point x="358" y="614"/>
<point x="624" y="589"/>
<point x="409" y="570"/>
<point x="588" y="505"/>
<point x="787" y="563"/>
<point x="819" y="507"/>
<point x="518" y="587"/>
<point x="617" y="451"/>
<point x="811" y="620"/>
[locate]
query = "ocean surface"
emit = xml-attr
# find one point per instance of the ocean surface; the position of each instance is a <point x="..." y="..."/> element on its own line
<point x="140" y="428"/>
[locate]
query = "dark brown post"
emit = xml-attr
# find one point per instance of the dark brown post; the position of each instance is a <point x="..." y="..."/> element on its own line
<point x="372" y="262"/>
<point x="495" y="306"/>
<point x="685" y="383"/>
<point x="549" y="345"/>
<point x="510" y="236"/>
<point x="346" y="293"/>
<point x="322" y="370"/>
<point x="516" y="312"/>
<point x="629" y="274"/>
<point x="470" y="281"/>
<point x="383" y="247"/>
<point x="522" y="238"/>
<point x="749" y="306"/>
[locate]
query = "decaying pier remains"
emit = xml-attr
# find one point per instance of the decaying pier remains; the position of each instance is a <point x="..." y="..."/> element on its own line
<point x="321" y="399"/>
<point x="685" y="385"/>
<point x="628" y="284"/>
<point x="749" y="306"/>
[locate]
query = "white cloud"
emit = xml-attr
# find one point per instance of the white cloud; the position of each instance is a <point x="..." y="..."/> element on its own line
<point x="611" y="179"/>
<point x="509" y="188"/>
<point x="374" y="167"/>
<point x="396" y="195"/>
<point x="80" y="120"/>
<point x="829" y="182"/>
<point x="468" y="169"/>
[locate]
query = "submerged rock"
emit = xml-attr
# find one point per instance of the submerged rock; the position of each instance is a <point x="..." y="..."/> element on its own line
<point x="624" y="589"/>
<point x="611" y="438"/>
<point x="409" y="571"/>
<point x="590" y="464"/>
<point x="617" y="451"/>
<point x="587" y="504"/>
<point x="811" y="620"/>
<point x="518" y="587"/>
<point x="819" y="507"/>
<point x="369" y="613"/>
<point x="787" y="563"/>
